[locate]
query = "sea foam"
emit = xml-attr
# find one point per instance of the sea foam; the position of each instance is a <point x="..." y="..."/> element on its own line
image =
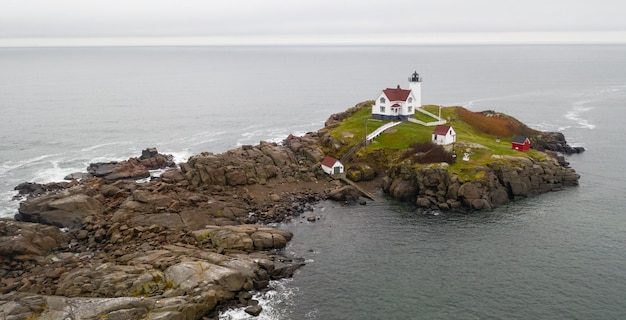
<point x="8" y="207"/>
<point x="275" y="303"/>
<point x="12" y="165"/>
<point x="575" y="114"/>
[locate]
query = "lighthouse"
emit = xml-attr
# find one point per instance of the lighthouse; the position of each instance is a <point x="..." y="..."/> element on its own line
<point x="415" y="85"/>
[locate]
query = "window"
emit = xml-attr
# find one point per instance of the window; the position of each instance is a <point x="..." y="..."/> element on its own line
<point x="410" y="109"/>
<point x="382" y="100"/>
<point x="382" y="108"/>
<point x="410" y="100"/>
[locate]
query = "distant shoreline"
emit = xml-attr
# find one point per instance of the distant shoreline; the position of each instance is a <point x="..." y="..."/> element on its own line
<point x="418" y="39"/>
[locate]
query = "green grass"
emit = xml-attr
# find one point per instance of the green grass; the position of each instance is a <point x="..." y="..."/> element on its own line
<point x="397" y="140"/>
<point x="401" y="136"/>
<point x="424" y="117"/>
<point x="357" y="123"/>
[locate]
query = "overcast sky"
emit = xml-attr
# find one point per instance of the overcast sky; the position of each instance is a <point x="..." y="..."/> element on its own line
<point x="319" y="21"/>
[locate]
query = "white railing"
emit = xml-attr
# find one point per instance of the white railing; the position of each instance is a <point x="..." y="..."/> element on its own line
<point x="381" y="129"/>
<point x="428" y="124"/>
<point x="432" y="123"/>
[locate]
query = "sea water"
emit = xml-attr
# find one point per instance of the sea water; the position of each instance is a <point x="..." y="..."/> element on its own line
<point x="554" y="256"/>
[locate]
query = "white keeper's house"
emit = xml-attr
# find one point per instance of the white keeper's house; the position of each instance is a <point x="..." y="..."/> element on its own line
<point x="397" y="103"/>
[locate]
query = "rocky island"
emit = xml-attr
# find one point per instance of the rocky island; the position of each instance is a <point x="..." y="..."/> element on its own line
<point x="111" y="243"/>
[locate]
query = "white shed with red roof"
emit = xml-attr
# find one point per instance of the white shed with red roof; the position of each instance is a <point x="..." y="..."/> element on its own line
<point x="332" y="166"/>
<point x="444" y="135"/>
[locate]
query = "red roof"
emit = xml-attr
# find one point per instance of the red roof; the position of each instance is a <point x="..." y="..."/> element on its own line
<point x="441" y="130"/>
<point x="329" y="161"/>
<point x="397" y="94"/>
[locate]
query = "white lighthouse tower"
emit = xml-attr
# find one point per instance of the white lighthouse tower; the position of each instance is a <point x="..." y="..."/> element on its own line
<point x="415" y="85"/>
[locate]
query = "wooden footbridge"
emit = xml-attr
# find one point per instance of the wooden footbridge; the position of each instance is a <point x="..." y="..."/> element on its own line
<point x="361" y="190"/>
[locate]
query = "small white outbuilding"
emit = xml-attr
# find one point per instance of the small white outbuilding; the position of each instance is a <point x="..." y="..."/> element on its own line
<point x="332" y="166"/>
<point x="444" y="135"/>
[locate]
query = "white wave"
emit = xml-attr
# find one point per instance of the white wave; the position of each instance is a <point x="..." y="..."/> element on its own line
<point x="270" y="135"/>
<point x="299" y="133"/>
<point x="106" y="158"/>
<point x="157" y="172"/>
<point x="613" y="89"/>
<point x="203" y="137"/>
<point x="143" y="180"/>
<point x="475" y="102"/>
<point x="470" y="104"/>
<point x="211" y="133"/>
<point x="576" y="114"/>
<point x="276" y="135"/>
<point x="274" y="303"/>
<point x="278" y="139"/>
<point x="54" y="172"/>
<point x="8" y="207"/>
<point x="181" y="156"/>
<point x="98" y="146"/>
<point x="12" y="165"/>
<point x="581" y="109"/>
<point x="563" y="128"/>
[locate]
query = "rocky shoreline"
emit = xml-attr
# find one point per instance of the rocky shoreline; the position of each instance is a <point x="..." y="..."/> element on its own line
<point x="503" y="180"/>
<point x="180" y="246"/>
<point x="104" y="245"/>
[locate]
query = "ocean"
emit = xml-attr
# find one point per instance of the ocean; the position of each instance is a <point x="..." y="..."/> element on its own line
<point x="555" y="256"/>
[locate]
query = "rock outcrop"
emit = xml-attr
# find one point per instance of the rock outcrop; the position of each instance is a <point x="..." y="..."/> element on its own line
<point x="250" y="165"/>
<point x="35" y="189"/>
<point x="134" y="250"/>
<point x="64" y="209"/>
<point x="485" y="187"/>
<point x="360" y="172"/>
<point x="45" y="277"/>
<point x="175" y="247"/>
<point x="133" y="168"/>
<point x="553" y="141"/>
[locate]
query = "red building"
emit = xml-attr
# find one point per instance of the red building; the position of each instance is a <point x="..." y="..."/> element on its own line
<point x="520" y="144"/>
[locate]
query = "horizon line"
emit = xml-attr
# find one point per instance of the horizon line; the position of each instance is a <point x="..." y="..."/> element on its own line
<point x="458" y="38"/>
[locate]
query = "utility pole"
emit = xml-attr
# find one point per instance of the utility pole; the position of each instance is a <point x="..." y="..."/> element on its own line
<point x="366" y="131"/>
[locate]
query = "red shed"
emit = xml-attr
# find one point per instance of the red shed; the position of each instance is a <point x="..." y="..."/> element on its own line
<point x="520" y="144"/>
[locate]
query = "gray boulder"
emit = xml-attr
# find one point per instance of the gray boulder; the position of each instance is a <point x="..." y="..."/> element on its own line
<point x="65" y="209"/>
<point x="28" y="239"/>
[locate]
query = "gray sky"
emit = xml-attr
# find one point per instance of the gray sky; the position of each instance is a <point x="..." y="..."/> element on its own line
<point x="307" y="21"/>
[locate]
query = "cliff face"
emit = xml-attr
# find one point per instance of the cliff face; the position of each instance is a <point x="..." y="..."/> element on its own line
<point x="485" y="187"/>
<point x="553" y="141"/>
<point x="250" y="165"/>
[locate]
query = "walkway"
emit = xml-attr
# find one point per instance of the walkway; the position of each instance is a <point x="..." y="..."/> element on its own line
<point x="428" y="124"/>
<point x="356" y="186"/>
<point x="380" y="130"/>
